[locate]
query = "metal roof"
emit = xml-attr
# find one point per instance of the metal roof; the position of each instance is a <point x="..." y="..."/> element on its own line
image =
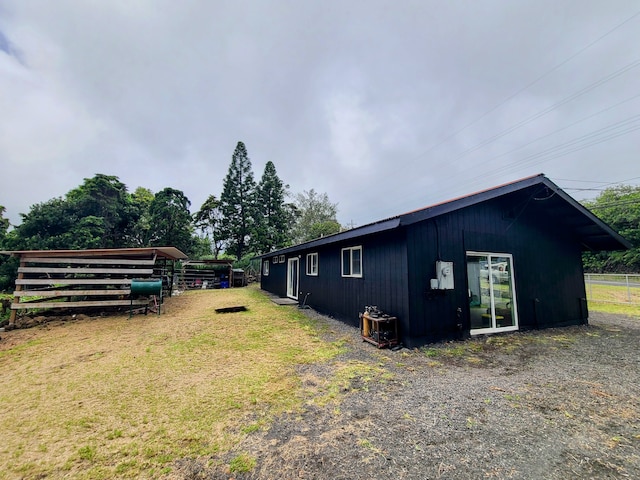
<point x="376" y="227"/>
<point x="543" y="196"/>
<point x="170" y="253"/>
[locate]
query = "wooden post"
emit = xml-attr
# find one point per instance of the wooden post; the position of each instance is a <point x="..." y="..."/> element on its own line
<point x="12" y="316"/>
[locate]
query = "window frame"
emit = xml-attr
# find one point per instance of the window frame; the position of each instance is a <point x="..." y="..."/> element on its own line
<point x="265" y="268"/>
<point x="281" y="259"/>
<point x="312" y="272"/>
<point x="351" y="250"/>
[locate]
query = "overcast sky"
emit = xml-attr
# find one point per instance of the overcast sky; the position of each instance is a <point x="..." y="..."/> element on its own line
<point x="387" y="106"/>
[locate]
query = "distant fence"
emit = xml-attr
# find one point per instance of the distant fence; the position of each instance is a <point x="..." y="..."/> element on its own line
<point x="613" y="288"/>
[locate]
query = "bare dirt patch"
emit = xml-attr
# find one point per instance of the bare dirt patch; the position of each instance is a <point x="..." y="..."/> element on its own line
<point x="553" y="404"/>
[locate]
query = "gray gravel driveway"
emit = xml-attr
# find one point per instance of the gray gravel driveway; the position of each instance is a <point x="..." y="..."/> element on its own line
<point x="550" y="404"/>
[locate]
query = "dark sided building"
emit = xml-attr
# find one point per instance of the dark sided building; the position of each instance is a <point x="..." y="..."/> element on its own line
<point x="500" y="260"/>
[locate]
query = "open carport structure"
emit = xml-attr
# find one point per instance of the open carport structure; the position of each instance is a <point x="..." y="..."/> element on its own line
<point x="82" y="279"/>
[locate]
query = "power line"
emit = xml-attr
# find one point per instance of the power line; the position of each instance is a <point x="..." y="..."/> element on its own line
<point x="564" y="128"/>
<point x="593" y="138"/>
<point x="549" y="109"/>
<point x="530" y="84"/>
<point x="600" y="184"/>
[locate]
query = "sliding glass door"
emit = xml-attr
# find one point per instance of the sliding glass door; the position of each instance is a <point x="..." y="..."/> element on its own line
<point x="492" y="300"/>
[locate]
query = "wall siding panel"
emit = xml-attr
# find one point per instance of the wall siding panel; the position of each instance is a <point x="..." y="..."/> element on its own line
<point x="398" y="265"/>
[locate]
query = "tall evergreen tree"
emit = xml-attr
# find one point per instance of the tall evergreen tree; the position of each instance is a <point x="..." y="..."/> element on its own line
<point x="237" y="203"/>
<point x="273" y="218"/>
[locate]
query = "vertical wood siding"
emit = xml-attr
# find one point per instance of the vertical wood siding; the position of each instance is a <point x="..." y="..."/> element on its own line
<point x="547" y="267"/>
<point x="398" y="265"/>
<point x="383" y="282"/>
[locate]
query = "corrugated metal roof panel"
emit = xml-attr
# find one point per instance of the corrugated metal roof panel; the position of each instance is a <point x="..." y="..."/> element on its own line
<point x="171" y="253"/>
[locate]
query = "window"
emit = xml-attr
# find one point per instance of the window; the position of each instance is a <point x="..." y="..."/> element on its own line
<point x="265" y="268"/>
<point x="352" y="262"/>
<point x="281" y="259"/>
<point x="312" y="264"/>
<point x="275" y="259"/>
<point x="492" y="299"/>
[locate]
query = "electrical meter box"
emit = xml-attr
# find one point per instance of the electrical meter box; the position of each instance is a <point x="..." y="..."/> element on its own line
<point x="444" y="273"/>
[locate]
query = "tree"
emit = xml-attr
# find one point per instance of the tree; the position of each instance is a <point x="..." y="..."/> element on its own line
<point x="8" y="267"/>
<point x="207" y="220"/>
<point x="619" y="207"/>
<point x="237" y="203"/>
<point x="48" y="226"/>
<point x="104" y="198"/>
<point x="141" y="231"/>
<point x="171" y="220"/>
<point x="273" y="218"/>
<point x="97" y="214"/>
<point x="4" y="224"/>
<point x="315" y="216"/>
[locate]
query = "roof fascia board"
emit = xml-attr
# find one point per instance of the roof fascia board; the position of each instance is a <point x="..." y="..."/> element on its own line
<point x="587" y="213"/>
<point x="469" y="200"/>
<point x="369" y="229"/>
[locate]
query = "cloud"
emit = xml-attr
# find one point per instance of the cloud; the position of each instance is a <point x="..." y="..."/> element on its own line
<point x="340" y="95"/>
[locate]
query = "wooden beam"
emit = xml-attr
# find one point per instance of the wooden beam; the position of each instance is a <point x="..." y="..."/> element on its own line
<point x="104" y="303"/>
<point x="91" y="261"/>
<point x="79" y="270"/>
<point x="73" y="281"/>
<point x="67" y="293"/>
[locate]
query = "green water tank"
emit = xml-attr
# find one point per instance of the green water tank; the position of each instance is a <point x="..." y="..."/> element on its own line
<point x="146" y="287"/>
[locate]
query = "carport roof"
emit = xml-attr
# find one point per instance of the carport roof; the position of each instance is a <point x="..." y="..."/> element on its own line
<point x="170" y="253"/>
<point x="540" y="193"/>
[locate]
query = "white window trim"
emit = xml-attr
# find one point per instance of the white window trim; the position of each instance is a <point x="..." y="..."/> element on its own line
<point x="281" y="259"/>
<point x="351" y="250"/>
<point x="312" y="272"/>
<point x="265" y="268"/>
<point x="275" y="259"/>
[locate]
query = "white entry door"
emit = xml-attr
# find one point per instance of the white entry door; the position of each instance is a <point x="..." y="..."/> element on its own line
<point x="293" y="273"/>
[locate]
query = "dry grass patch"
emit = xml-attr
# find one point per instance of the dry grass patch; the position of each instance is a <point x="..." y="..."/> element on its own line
<point x="113" y="397"/>
<point x="602" y="294"/>
<point x="632" y="311"/>
<point x="484" y="350"/>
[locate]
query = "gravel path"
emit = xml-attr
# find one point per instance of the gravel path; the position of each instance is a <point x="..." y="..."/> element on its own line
<point x="553" y="404"/>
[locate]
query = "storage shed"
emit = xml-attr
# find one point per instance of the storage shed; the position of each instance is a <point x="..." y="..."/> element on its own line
<point x="500" y="260"/>
<point x="83" y="279"/>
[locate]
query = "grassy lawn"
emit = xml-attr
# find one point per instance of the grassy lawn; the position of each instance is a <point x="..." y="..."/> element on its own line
<point x="612" y="299"/>
<point x="619" y="309"/>
<point x="113" y="397"/>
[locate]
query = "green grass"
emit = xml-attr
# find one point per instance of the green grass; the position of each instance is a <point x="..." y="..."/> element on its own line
<point x="614" y="299"/>
<point x="243" y="463"/>
<point x="613" y="294"/>
<point x="616" y="308"/>
<point x="119" y="398"/>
